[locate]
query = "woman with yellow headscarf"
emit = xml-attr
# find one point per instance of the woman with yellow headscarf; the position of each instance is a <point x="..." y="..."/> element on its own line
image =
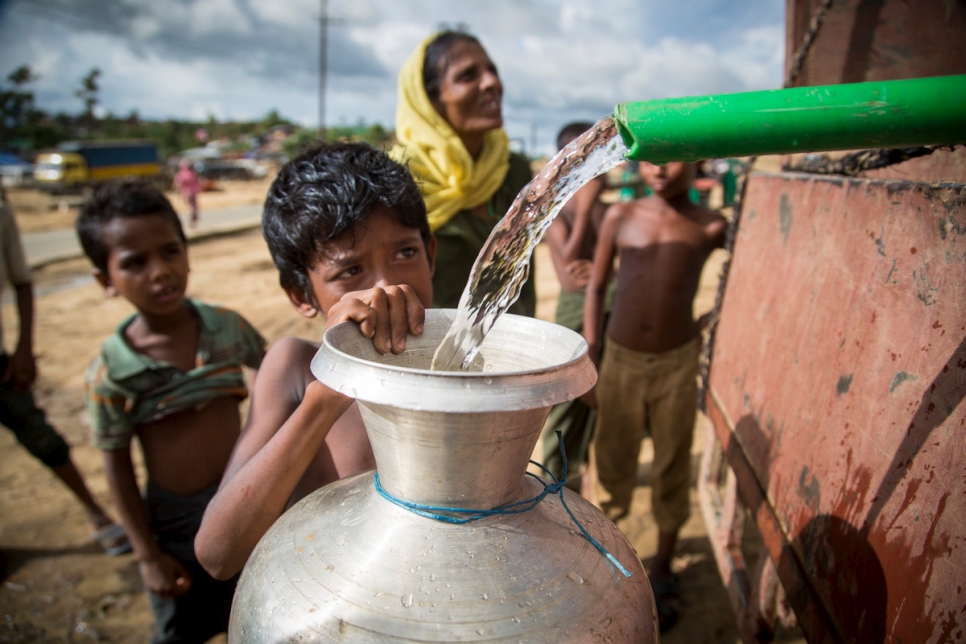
<point x="449" y="131"/>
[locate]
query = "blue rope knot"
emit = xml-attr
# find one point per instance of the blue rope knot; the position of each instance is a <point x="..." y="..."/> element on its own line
<point x="465" y="515"/>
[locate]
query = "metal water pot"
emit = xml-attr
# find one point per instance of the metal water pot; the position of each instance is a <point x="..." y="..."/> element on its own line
<point x="347" y="564"/>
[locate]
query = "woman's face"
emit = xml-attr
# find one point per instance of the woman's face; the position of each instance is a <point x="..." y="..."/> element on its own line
<point x="470" y="91"/>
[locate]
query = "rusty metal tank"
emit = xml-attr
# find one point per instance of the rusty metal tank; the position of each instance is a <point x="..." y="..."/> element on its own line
<point x="349" y="564"/>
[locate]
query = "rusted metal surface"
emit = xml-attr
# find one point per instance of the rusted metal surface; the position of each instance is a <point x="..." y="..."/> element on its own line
<point x="836" y="390"/>
<point x="724" y="517"/>
<point x="757" y="596"/>
<point x="943" y="165"/>
<point x="870" y="40"/>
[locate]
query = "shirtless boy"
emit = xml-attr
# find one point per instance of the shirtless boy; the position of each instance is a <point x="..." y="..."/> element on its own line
<point x="171" y="376"/>
<point x="648" y="375"/>
<point x="348" y="232"/>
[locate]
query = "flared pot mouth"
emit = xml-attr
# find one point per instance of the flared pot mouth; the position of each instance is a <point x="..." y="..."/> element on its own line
<point x="523" y="363"/>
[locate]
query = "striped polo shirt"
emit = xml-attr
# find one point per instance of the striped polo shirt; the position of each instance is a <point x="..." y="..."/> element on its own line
<point x="125" y="388"/>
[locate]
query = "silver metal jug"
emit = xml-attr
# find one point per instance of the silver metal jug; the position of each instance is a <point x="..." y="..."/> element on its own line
<point x="347" y="564"/>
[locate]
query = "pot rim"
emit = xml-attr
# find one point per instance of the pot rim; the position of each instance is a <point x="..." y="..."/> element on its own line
<point x="373" y="378"/>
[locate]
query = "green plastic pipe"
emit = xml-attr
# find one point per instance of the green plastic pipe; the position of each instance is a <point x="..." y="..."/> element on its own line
<point x="856" y="116"/>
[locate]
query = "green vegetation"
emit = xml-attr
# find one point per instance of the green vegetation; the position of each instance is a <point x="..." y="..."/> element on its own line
<point x="26" y="129"/>
<point x="304" y="139"/>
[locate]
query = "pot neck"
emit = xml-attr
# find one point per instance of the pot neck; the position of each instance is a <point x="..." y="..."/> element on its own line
<point x="460" y="460"/>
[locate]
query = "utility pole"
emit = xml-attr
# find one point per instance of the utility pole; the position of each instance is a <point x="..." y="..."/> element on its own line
<point x="323" y="20"/>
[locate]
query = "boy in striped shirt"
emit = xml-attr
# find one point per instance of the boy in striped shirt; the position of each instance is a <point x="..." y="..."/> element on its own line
<point x="172" y="376"/>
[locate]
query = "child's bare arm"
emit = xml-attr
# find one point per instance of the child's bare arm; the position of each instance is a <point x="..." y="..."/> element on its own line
<point x="290" y="416"/>
<point x="161" y="573"/>
<point x="566" y="241"/>
<point x="570" y="279"/>
<point x="599" y="278"/>
<point x="277" y="445"/>
<point x="21" y="368"/>
<point x="583" y="204"/>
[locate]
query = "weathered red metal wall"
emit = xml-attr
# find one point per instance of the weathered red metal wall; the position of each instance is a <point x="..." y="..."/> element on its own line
<point x="871" y="40"/>
<point x="839" y="365"/>
<point x="836" y="388"/>
<point x="874" y="40"/>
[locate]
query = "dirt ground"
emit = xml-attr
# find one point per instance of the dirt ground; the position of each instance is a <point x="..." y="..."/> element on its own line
<point x="58" y="586"/>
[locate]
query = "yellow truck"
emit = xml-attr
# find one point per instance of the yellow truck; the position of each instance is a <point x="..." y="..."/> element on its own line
<point x="76" y="164"/>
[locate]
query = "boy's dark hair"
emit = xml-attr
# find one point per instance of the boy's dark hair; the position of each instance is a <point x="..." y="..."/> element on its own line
<point x="571" y="131"/>
<point x="327" y="191"/>
<point x="436" y="58"/>
<point x="119" y="199"/>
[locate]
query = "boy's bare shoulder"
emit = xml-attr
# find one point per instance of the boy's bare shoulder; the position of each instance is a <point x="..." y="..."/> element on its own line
<point x="622" y="211"/>
<point x="291" y="351"/>
<point x="287" y="365"/>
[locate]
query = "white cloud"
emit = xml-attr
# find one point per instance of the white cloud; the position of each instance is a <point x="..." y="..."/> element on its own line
<point x="218" y="16"/>
<point x="144" y="27"/>
<point x="560" y="59"/>
<point x="392" y="46"/>
<point x="676" y="68"/>
<point x="616" y="17"/>
<point x="287" y="13"/>
<point x="758" y="57"/>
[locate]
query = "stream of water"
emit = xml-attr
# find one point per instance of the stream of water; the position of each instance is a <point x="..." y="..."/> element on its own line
<point x="503" y="264"/>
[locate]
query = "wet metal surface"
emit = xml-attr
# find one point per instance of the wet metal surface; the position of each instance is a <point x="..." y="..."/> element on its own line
<point x="837" y="389"/>
<point x="349" y="564"/>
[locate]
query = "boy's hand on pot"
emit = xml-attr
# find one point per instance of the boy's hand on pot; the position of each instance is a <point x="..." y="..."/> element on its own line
<point x="384" y="314"/>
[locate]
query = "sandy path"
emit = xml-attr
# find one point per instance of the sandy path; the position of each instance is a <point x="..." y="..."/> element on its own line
<point x="38" y="212"/>
<point x="58" y="586"/>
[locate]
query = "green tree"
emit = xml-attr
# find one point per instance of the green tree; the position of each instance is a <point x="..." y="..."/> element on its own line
<point x="300" y="142"/>
<point x="22" y="75"/>
<point x="23" y="127"/>
<point x="16" y="103"/>
<point x="88" y="93"/>
<point x="272" y="119"/>
<point x="377" y="136"/>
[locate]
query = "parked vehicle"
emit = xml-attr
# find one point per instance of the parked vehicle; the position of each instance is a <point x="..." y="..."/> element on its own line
<point x="14" y="171"/>
<point x="219" y="170"/>
<point x="76" y="164"/>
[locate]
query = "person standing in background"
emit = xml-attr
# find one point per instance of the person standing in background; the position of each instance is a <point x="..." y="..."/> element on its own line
<point x="188" y="184"/>
<point x="18" y="409"/>
<point x="449" y="131"/>
<point x="648" y="372"/>
<point x="170" y="378"/>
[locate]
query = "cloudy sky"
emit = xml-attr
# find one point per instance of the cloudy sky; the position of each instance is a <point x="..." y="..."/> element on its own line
<point x="560" y="60"/>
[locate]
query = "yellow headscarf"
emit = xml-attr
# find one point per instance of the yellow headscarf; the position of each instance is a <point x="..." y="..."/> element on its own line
<point x="447" y="175"/>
